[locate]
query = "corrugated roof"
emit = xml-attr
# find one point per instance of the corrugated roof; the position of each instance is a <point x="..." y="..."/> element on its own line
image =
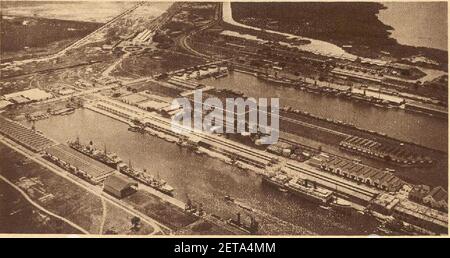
<point x="119" y="182"/>
<point x="438" y="194"/>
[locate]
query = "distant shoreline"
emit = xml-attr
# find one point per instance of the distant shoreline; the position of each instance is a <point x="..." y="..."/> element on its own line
<point x="317" y="20"/>
<point x="35" y="39"/>
<point x="404" y="35"/>
<point x="50" y="19"/>
<point x="80" y="11"/>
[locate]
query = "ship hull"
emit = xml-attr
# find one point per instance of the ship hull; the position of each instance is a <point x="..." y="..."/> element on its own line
<point x="170" y="193"/>
<point x="294" y="191"/>
<point x="346" y="209"/>
<point x="111" y="164"/>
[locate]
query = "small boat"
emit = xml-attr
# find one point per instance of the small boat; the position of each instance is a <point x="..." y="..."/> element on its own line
<point x="341" y="205"/>
<point x="324" y="207"/>
<point x="283" y="190"/>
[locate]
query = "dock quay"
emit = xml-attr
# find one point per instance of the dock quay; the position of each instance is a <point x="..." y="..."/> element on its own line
<point x="359" y="193"/>
<point x="339" y="133"/>
<point x="78" y="164"/>
<point x="374" y="149"/>
<point x="215" y="70"/>
<point x="420" y="107"/>
<point x="85" y="168"/>
<point x="184" y="84"/>
<point x="259" y="160"/>
<point x="370" y="95"/>
<point x="24" y="136"/>
<point x="357" y="172"/>
<point x="412" y="213"/>
<point x="348" y="179"/>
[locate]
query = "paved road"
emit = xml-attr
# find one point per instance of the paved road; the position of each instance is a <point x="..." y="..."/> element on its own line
<point x="90" y="188"/>
<point x="42" y="208"/>
<point x="183" y="40"/>
<point x="79" y="42"/>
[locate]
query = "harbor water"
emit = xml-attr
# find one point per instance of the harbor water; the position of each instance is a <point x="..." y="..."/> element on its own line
<point x="202" y="178"/>
<point x="422" y="129"/>
<point x="426" y="28"/>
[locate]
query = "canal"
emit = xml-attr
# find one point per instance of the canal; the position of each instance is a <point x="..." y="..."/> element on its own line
<point x="422" y="129"/>
<point x="204" y="179"/>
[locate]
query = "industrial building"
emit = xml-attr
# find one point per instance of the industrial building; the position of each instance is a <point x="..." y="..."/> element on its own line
<point x="23" y="135"/>
<point x="4" y="103"/>
<point x="119" y="186"/>
<point x="26" y="96"/>
<point x="358" y="172"/>
<point x="78" y="164"/>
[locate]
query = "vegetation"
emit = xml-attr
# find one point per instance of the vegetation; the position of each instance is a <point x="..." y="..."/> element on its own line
<point x="22" y="32"/>
<point x="342" y="23"/>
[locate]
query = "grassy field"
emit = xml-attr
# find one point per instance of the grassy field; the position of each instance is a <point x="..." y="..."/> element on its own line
<point x="154" y="207"/>
<point x="57" y="195"/>
<point x="17" y="216"/>
<point x="29" y="35"/>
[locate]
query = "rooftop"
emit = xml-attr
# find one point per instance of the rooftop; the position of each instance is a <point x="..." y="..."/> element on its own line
<point x="31" y="94"/>
<point x="119" y="182"/>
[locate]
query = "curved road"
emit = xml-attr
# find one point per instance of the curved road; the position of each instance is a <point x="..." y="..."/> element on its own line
<point x="42" y="208"/>
<point x="96" y="191"/>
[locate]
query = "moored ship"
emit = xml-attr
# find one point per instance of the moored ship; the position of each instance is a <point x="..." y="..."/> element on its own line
<point x="301" y="187"/>
<point x="341" y="205"/>
<point x="271" y="78"/>
<point x="108" y="158"/>
<point x="146" y="178"/>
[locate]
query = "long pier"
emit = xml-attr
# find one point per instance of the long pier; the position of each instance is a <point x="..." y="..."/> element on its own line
<point x="250" y="155"/>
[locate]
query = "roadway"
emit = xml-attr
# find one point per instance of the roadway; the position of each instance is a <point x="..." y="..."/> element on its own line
<point x="183" y="40"/>
<point x="80" y="41"/>
<point x="257" y="156"/>
<point x="96" y="190"/>
<point x="39" y="207"/>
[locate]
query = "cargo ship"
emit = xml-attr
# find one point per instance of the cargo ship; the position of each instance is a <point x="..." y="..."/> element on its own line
<point x="433" y="110"/>
<point x="341" y="205"/>
<point x="136" y="129"/>
<point x="108" y="158"/>
<point x="63" y="111"/>
<point x="146" y="178"/>
<point x="274" y="79"/>
<point x="300" y="187"/>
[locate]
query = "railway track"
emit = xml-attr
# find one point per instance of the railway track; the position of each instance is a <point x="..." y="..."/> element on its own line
<point x="183" y="41"/>
<point x="260" y="157"/>
<point x="369" y="193"/>
<point x="364" y="191"/>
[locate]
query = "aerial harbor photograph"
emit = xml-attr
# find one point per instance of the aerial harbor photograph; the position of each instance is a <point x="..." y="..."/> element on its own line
<point x="219" y="118"/>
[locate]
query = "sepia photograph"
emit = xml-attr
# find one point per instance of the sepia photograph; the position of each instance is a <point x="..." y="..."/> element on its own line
<point x="223" y="119"/>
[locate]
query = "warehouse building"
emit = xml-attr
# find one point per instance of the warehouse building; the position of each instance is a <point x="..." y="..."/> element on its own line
<point x="119" y="186"/>
<point x="26" y="96"/>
